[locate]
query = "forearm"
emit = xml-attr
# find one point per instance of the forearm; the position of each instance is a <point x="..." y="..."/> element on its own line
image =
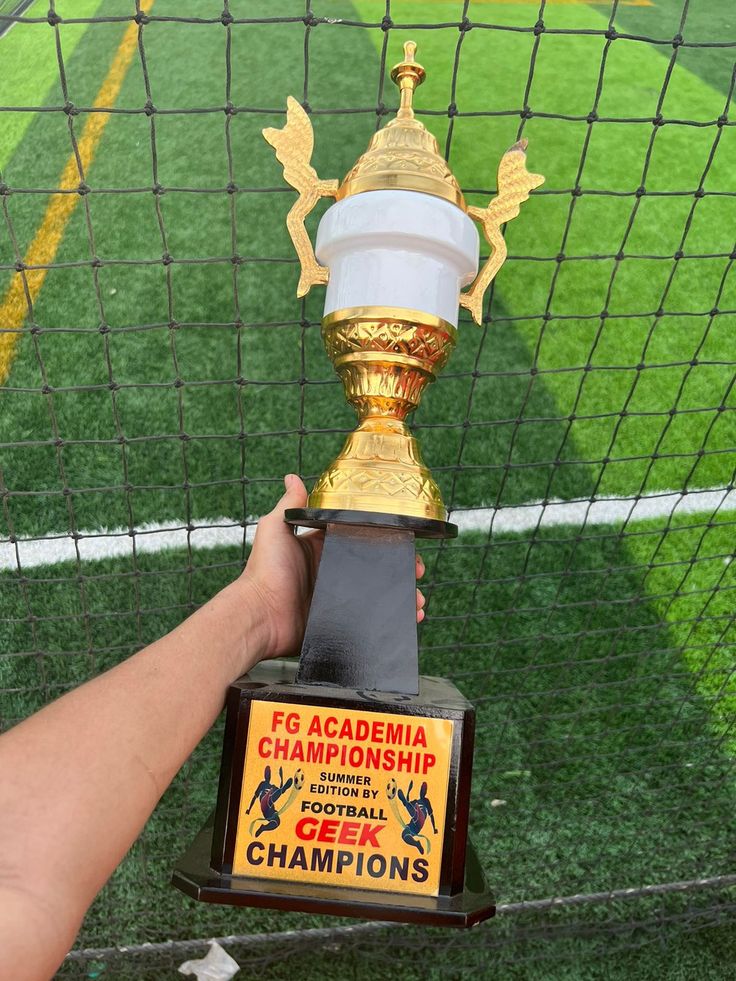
<point x="79" y="779"/>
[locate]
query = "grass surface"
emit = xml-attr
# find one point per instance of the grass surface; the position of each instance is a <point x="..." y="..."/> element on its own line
<point x="602" y="663"/>
<point x="554" y="428"/>
<point x="34" y="81"/>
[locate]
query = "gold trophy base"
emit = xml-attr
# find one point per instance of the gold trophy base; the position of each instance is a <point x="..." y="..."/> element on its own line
<point x="385" y="357"/>
<point x="380" y="469"/>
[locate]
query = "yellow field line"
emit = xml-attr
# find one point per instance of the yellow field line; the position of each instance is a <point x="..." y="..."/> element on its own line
<point x="42" y="250"/>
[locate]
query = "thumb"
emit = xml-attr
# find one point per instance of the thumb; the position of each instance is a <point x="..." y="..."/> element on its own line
<point x="295" y="495"/>
<point x="273" y="524"/>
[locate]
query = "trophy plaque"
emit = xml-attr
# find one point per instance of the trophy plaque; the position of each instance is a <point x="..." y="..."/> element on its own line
<point x="345" y="778"/>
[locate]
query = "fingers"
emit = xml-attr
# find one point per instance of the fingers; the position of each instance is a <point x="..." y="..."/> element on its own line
<point x="421" y="569"/>
<point x="420" y="606"/>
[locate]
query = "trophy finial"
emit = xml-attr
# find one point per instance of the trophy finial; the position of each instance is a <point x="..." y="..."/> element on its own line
<point x="403" y="155"/>
<point x="408" y="75"/>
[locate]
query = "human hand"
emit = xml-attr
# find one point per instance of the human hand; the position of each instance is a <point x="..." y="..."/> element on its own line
<point x="282" y="570"/>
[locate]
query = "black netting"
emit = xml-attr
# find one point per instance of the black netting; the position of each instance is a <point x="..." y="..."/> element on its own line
<point x="160" y="377"/>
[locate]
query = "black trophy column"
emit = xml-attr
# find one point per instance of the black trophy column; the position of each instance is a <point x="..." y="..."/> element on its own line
<point x="362" y="631"/>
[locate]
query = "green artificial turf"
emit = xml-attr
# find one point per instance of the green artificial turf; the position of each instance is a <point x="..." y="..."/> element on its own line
<point x="673" y="940"/>
<point x="611" y="771"/>
<point x="34" y="81"/>
<point x="589" y="367"/>
<point x="601" y="663"/>
<point x="554" y="428"/>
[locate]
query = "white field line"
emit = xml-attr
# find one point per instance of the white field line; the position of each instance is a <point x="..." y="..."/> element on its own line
<point x="104" y="543"/>
<point x="610" y="510"/>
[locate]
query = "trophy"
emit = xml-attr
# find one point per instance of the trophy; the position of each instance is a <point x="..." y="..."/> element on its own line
<point x="345" y="779"/>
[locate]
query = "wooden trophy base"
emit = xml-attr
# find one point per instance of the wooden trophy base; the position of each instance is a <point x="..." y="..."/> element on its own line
<point x="329" y="799"/>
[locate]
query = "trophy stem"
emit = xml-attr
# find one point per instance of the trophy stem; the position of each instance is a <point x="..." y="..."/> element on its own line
<point x="362" y="632"/>
<point x="385" y="357"/>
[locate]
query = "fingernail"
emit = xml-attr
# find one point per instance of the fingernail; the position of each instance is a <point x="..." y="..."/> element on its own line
<point x="289" y="480"/>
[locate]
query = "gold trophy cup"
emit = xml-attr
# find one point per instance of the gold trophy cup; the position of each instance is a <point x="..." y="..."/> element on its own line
<point x="387" y="354"/>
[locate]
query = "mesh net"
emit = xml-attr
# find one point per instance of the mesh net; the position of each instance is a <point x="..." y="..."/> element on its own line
<point x="160" y="377"/>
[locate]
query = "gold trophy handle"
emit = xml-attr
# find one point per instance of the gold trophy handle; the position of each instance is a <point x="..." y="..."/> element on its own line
<point x="293" y="145"/>
<point x="514" y="185"/>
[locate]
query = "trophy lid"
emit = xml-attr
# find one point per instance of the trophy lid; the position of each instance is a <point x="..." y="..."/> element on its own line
<point x="404" y="155"/>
